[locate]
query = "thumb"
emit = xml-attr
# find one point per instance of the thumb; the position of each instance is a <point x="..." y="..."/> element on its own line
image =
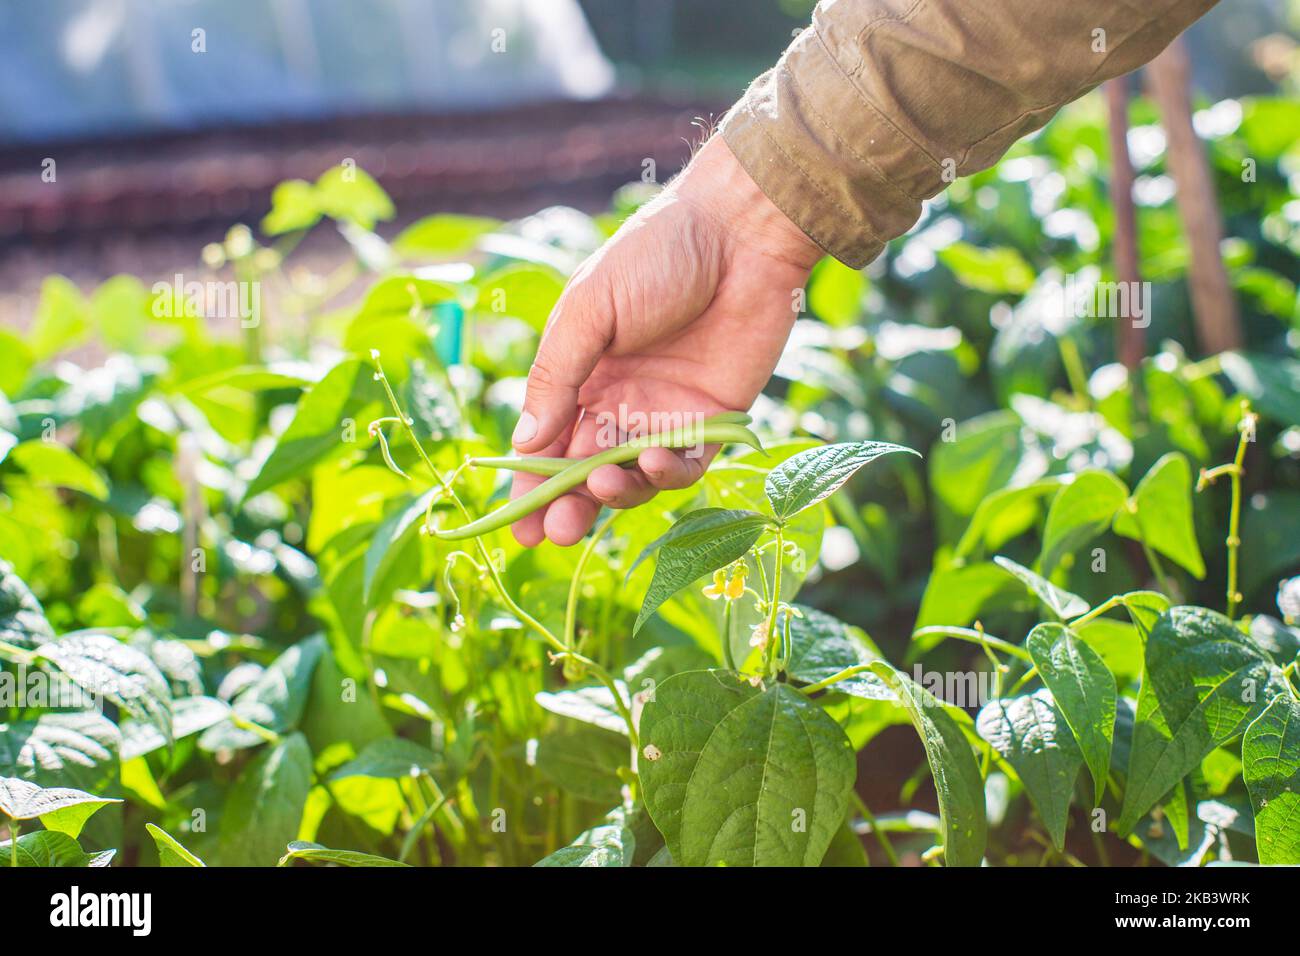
<point x="574" y="340"/>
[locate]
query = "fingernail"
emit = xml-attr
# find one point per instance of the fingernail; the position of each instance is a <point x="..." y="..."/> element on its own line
<point x="525" y="428"/>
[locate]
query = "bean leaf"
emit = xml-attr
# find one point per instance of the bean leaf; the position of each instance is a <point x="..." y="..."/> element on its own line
<point x="1203" y="682"/>
<point x="103" y="666"/>
<point x="1160" y="512"/>
<point x="22" y="619"/>
<point x="739" y="776"/>
<point x="1270" y="754"/>
<point x="347" y="394"/>
<point x="58" y="808"/>
<point x="1059" y="601"/>
<point x="1084" y="691"/>
<point x="1081" y="511"/>
<point x="170" y="851"/>
<point x="315" y="853"/>
<point x="697" y="544"/>
<point x="808" y="477"/>
<point x="44" y="849"/>
<point x="264" y="808"/>
<point x="822" y="646"/>
<point x="957" y="778"/>
<point x="1031" y="734"/>
<point x="606" y="845"/>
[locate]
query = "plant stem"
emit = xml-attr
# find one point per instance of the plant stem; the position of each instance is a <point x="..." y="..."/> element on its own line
<point x="575" y="584"/>
<point x="13" y="843"/>
<point x="1100" y="609"/>
<point x="771" y="635"/>
<point x="881" y="836"/>
<point x="728" y="658"/>
<point x="510" y="603"/>
<point x="835" y="678"/>
<point x="1233" y="542"/>
<point x="975" y="637"/>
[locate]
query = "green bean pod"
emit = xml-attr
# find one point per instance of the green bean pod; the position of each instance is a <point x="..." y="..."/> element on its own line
<point x="539" y="465"/>
<point x="710" y="432"/>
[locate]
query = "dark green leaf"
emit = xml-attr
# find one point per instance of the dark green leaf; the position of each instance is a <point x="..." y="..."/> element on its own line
<point x="1270" y="756"/>
<point x="739" y="776"/>
<point x="822" y="646"/>
<point x="697" y="544"/>
<point x="957" y="778"/>
<point x="1204" y="681"/>
<point x="44" y="849"/>
<point x="606" y="845"/>
<point x="105" y="667"/>
<point x="22" y="619"/>
<point x="1030" y="733"/>
<point x="264" y="808"/>
<point x="392" y="759"/>
<point x="315" y="853"/>
<point x="1084" y="691"/>
<point x="810" y="476"/>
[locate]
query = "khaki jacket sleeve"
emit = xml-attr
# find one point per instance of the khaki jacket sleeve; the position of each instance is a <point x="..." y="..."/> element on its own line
<point x="881" y="103"/>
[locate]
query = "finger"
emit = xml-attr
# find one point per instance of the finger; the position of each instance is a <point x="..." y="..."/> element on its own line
<point x="619" y="487"/>
<point x="579" y="329"/>
<point x="530" y="529"/>
<point x="667" y="469"/>
<point x="570" y="517"/>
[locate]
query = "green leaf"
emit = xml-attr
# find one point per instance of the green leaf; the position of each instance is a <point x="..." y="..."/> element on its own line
<point x="1271" y="383"/>
<point x="190" y="715"/>
<point x="1270" y="754"/>
<point x="61" y="320"/>
<point x="1030" y="733"/>
<point x="1059" y="601"/>
<point x="810" y="476"/>
<point x="22" y="619"/>
<point x="61" y="809"/>
<point x="347" y="193"/>
<point x="1084" y="691"/>
<point x="392" y="758"/>
<point x="275" y="700"/>
<point x="53" y="464"/>
<point x="315" y="853"/>
<point x="835" y="292"/>
<point x="957" y="778"/>
<point x="591" y="705"/>
<point x="738" y="776"/>
<point x="523" y="290"/>
<point x="584" y="761"/>
<point x="606" y="845"/>
<point x="105" y="667"/>
<point x="443" y="235"/>
<point x="822" y="646"/>
<point x="45" y="849"/>
<point x="1145" y="609"/>
<point x="998" y="271"/>
<point x="170" y="851"/>
<point x="697" y="544"/>
<point x="264" y="808"/>
<point x="348" y="393"/>
<point x="73" y="748"/>
<point x="293" y="207"/>
<point x="389" y="551"/>
<point x="1160" y="512"/>
<point x="1082" y="510"/>
<point x="1003" y="515"/>
<point x="1204" y="681"/>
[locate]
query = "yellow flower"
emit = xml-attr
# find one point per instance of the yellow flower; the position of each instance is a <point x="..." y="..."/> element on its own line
<point x="718" y="587"/>
<point x="736" y="586"/>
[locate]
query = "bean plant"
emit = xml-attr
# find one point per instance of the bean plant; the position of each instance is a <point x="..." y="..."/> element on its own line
<point x="957" y="590"/>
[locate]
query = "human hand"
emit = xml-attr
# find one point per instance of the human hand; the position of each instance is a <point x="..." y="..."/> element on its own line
<point x="683" y="312"/>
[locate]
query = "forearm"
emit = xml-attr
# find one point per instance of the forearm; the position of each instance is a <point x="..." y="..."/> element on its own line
<point x="881" y="103"/>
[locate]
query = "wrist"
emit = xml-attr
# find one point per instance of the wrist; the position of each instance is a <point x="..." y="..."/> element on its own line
<point x="717" y="182"/>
